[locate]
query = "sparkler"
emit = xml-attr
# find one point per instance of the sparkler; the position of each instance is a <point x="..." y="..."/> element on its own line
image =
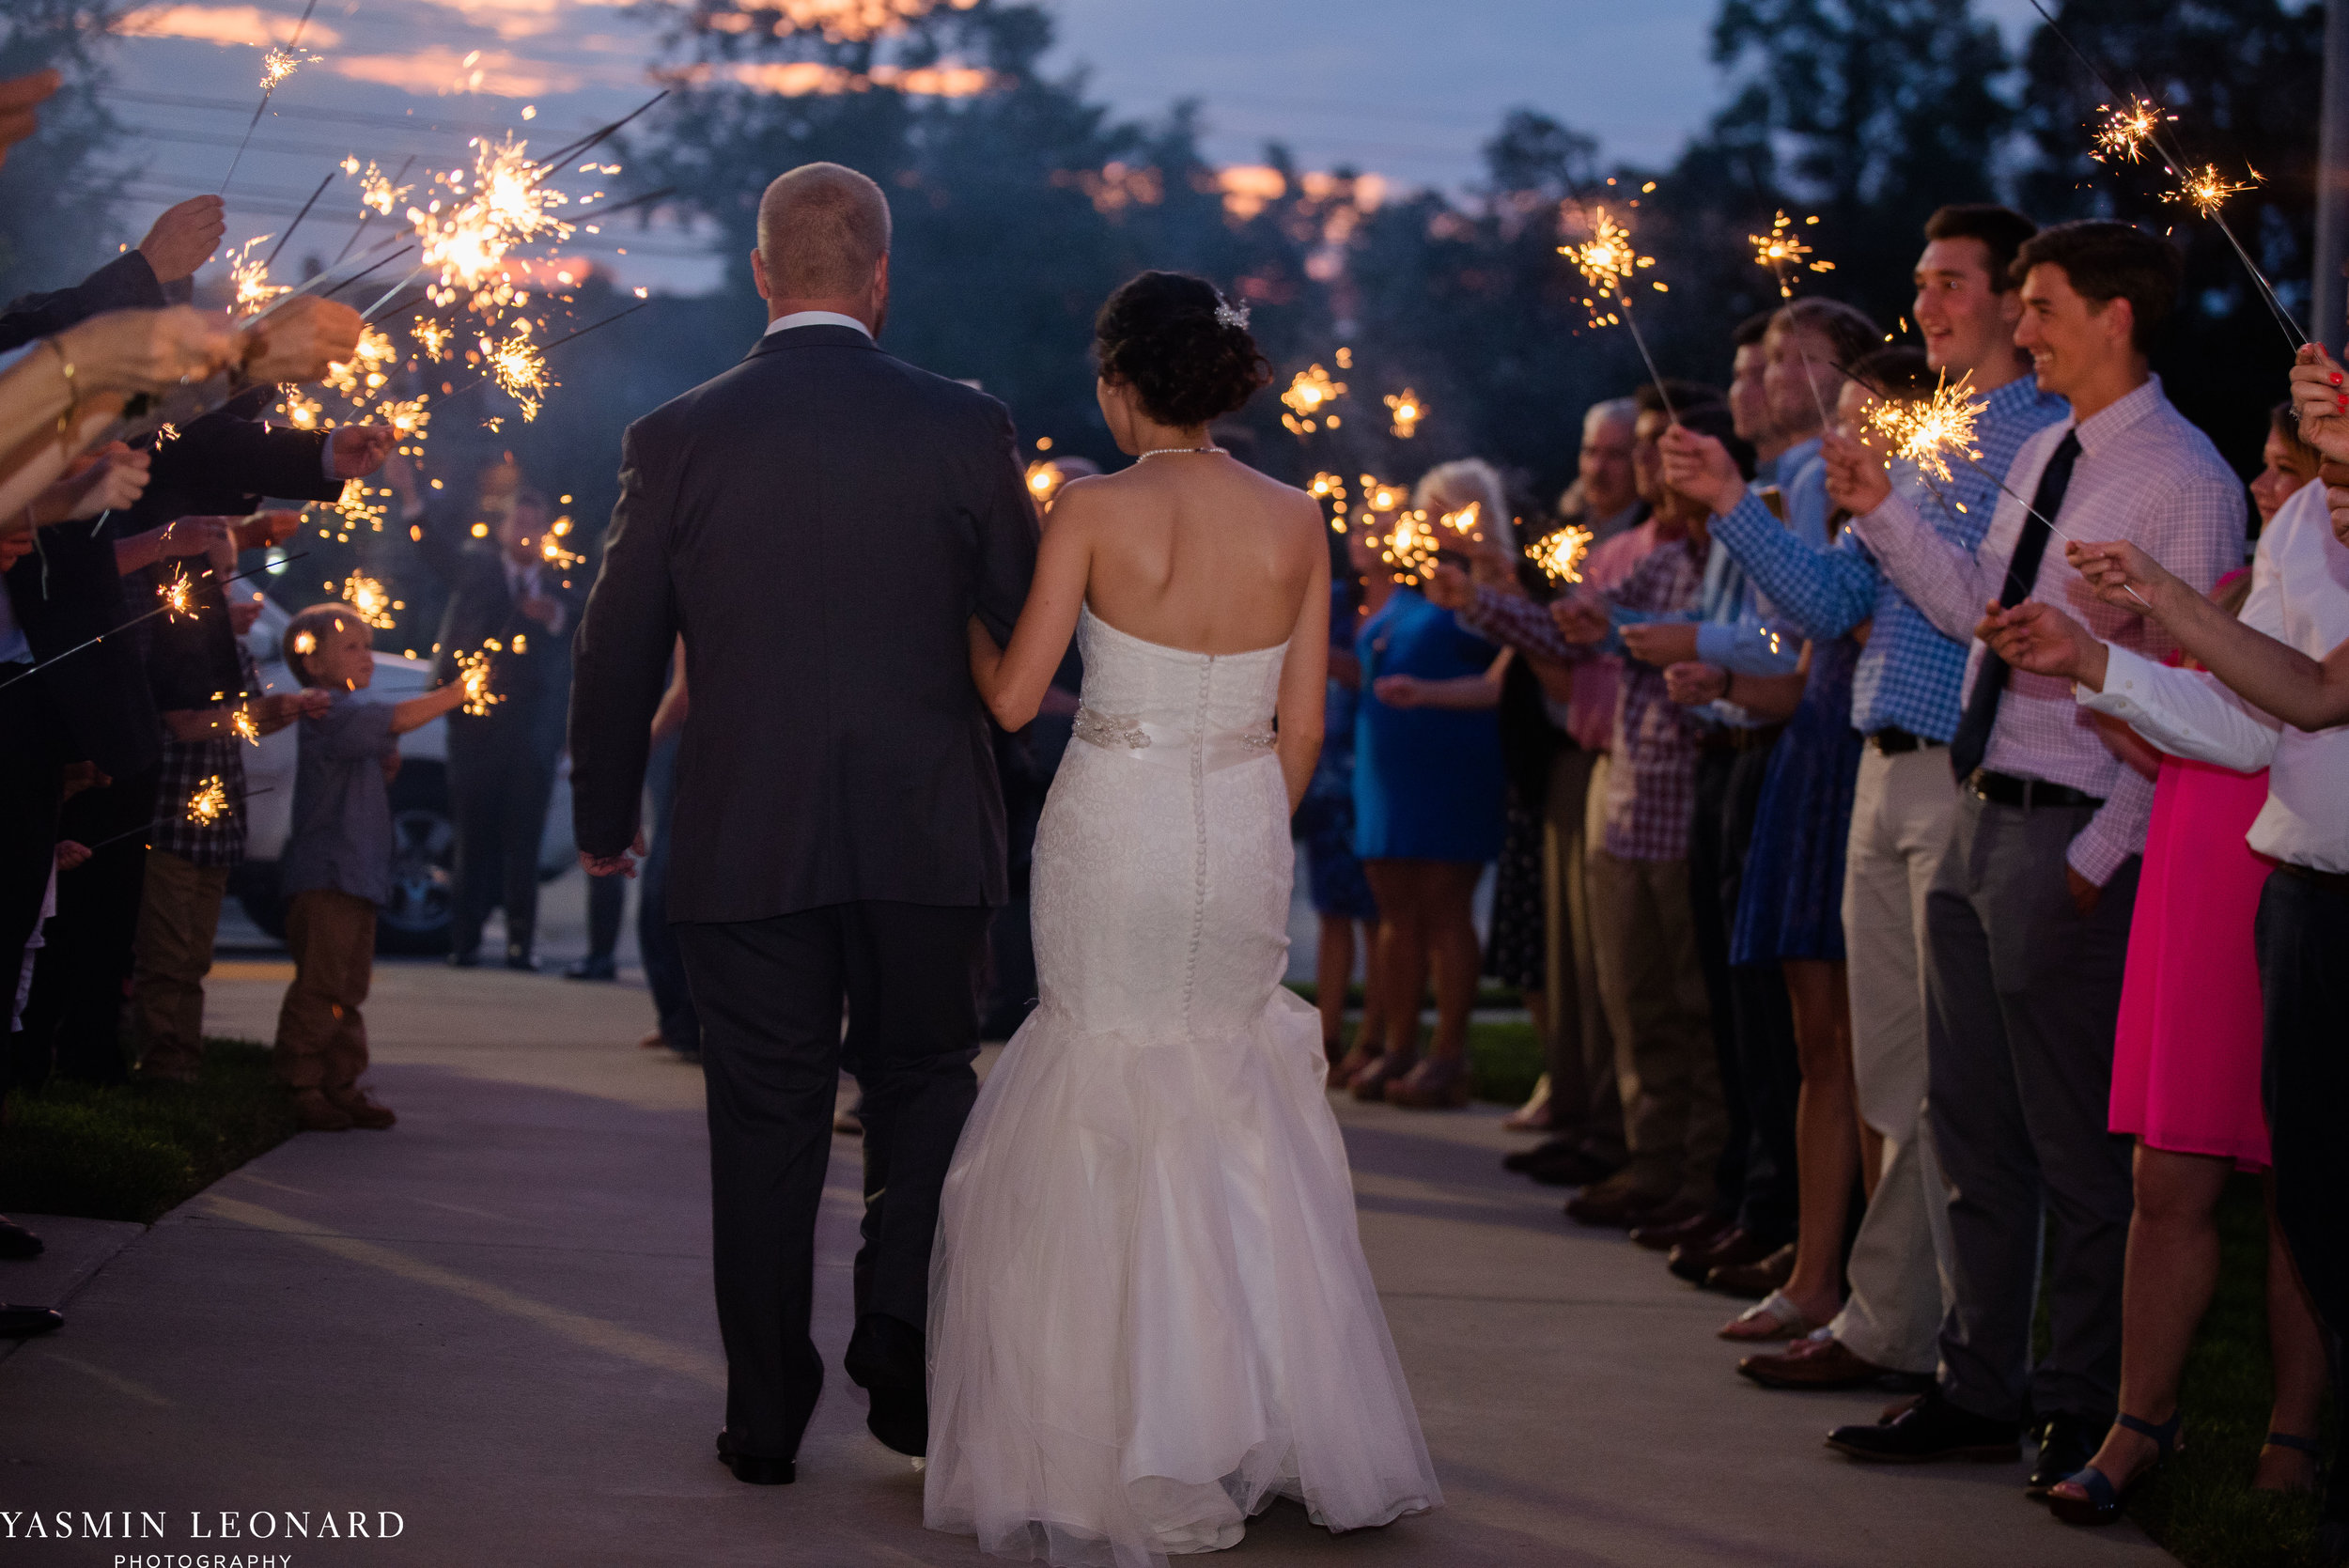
<point x="209" y="802"/>
<point x="371" y="185"/>
<point x="1607" y="260"/>
<point x="1561" y="554"/>
<point x="1406" y="411"/>
<point x="271" y="260"/>
<point x="1463" y="524"/>
<point x="1782" y="250"/>
<point x="554" y="343"/>
<point x="1309" y="393"/>
<point x="186" y="607"/>
<point x="241" y="725"/>
<point x="369" y="600"/>
<point x="430" y="336"/>
<point x="250" y="278"/>
<point x="1410" y="547"/>
<point x="1330" y="487"/>
<point x="519" y="368"/>
<point x="2138" y="122"/>
<point x="1045" y="478"/>
<point x="473" y="673"/>
<point x="1930" y="431"/>
<point x="177" y="591"/>
<point x="276" y="66"/>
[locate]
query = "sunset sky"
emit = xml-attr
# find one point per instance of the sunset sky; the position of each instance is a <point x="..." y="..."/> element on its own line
<point x="1382" y="85"/>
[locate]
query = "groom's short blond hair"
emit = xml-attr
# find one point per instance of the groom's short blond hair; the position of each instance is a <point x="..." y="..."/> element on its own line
<point x="822" y="228"/>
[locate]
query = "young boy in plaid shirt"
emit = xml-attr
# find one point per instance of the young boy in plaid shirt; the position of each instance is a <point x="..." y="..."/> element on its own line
<point x="337" y="868"/>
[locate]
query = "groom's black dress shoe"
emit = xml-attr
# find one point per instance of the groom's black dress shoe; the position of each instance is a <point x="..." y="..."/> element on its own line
<point x="754" y="1469"/>
<point x="887" y="1359"/>
<point x="1930" y="1429"/>
<point x="2066" y="1444"/>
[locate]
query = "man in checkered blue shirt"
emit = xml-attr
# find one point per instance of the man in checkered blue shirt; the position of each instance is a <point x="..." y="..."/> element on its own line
<point x="1905" y="700"/>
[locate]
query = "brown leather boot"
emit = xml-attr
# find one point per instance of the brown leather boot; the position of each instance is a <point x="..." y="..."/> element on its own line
<point x="363" y="1112"/>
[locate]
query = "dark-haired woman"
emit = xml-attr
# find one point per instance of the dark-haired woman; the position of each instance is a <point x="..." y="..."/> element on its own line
<point x="1149" y="1309"/>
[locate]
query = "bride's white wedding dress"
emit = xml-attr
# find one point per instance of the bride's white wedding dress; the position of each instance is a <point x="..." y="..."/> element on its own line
<point x="1149" y="1312"/>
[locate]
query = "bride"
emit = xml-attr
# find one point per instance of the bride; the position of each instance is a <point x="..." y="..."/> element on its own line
<point x="1149" y="1312"/>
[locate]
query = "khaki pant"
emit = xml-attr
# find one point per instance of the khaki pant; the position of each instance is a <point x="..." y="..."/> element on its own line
<point x="321" y="1039"/>
<point x="1584" y="1096"/>
<point x="1902" y="811"/>
<point x="1644" y="932"/>
<point x="178" y="913"/>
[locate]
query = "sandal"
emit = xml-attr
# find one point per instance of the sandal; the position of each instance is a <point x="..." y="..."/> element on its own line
<point x="1773" y="1317"/>
<point x="2100" y="1503"/>
<point x="2308" y="1445"/>
<point x="1370" y="1084"/>
<point x="1437" y="1084"/>
<point x="1533" y="1116"/>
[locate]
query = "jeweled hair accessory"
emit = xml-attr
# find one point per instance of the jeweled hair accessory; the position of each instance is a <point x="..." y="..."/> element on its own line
<point x="1230" y="314"/>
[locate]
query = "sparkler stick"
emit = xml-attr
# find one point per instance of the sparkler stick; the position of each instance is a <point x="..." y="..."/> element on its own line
<point x="1606" y="261"/>
<point x="366" y="216"/>
<point x="555" y="343"/>
<point x="562" y="154"/>
<point x="271" y="260"/>
<point x="261" y="108"/>
<point x="216" y="803"/>
<point x="2139" y="120"/>
<point x="602" y="212"/>
<point x="163" y="609"/>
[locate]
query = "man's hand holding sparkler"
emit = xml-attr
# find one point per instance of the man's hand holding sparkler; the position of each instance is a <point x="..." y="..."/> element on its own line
<point x="263" y="530"/>
<point x="184" y="238"/>
<point x="1702" y="469"/>
<point x="1693" y="685"/>
<point x="2044" y="641"/>
<point x="174" y="541"/>
<point x="2124" y="576"/>
<point x="1662" y="644"/>
<point x="106" y="480"/>
<point x="621" y="864"/>
<point x="1579" y="621"/>
<point x="142" y="350"/>
<point x="300" y="339"/>
<point x="1856" y="477"/>
<point x="356" y="451"/>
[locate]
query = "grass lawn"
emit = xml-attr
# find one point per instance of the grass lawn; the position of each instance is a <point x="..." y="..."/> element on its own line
<point x="2201" y="1506"/>
<point x="135" y="1151"/>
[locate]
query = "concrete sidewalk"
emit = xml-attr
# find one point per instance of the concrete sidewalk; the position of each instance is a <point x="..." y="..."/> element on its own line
<point x="495" y="1322"/>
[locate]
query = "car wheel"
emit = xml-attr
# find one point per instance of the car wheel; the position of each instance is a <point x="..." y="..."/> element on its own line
<point x="423" y="905"/>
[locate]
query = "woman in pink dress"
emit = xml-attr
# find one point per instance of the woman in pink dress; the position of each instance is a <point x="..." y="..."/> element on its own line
<point x="2186" y="1082"/>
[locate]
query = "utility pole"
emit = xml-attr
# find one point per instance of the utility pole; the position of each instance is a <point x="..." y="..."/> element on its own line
<point x="2329" y="296"/>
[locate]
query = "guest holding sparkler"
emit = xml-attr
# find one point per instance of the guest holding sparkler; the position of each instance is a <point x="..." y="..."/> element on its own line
<point x="2027" y="918"/>
<point x="204" y="682"/>
<point x="1644" y="923"/>
<point x="337" y="866"/>
<point x="1427" y="818"/>
<point x="504" y="598"/>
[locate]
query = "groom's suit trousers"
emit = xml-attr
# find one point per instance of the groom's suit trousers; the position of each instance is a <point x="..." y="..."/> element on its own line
<point x="770" y="993"/>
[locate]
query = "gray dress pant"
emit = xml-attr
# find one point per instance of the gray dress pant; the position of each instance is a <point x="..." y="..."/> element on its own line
<point x="2023" y="992"/>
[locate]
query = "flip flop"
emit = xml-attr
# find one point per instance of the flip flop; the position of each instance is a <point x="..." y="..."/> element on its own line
<point x="1773" y="1317"/>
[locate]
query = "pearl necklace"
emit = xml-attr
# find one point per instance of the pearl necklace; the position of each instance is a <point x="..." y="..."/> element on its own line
<point x="1175" y="451"/>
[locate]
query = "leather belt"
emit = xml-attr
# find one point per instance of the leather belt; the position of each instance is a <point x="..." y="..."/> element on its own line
<point x="2331" y="881"/>
<point x="1893" y="741"/>
<point x="1730" y="738"/>
<point x="2006" y="789"/>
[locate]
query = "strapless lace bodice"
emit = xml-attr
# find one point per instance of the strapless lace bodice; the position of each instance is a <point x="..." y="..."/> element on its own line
<point x="1144" y="696"/>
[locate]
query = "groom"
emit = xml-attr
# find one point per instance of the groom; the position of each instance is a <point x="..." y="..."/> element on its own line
<point x="820" y="522"/>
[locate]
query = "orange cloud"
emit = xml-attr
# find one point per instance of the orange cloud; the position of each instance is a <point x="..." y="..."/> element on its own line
<point x="440" y="70"/>
<point x="846" y="19"/>
<point x="222" y="24"/>
<point x="815" y="79"/>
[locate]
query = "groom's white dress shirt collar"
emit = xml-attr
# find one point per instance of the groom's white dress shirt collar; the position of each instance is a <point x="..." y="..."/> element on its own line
<point x="815" y="318"/>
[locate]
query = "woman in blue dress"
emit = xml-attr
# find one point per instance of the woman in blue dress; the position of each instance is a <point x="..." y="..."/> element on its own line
<point x="1427" y="818"/>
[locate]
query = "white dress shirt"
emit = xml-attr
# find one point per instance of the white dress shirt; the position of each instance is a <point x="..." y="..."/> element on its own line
<point x="2299" y="595"/>
<point x="2145" y="475"/>
<point x="523" y="581"/>
<point x="814" y="318"/>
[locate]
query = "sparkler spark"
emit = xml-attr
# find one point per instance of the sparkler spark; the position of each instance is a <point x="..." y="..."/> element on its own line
<point x="241" y="724"/>
<point x="473" y="673"/>
<point x="1045" y="478"/>
<point x="519" y="368"/>
<point x="430" y="336"/>
<point x="1781" y="251"/>
<point x="2127" y="129"/>
<point x="1309" y="393"/>
<point x="466" y="236"/>
<point x="1463" y="524"/>
<point x="1607" y="258"/>
<point x="278" y="64"/>
<point x="1407" y="409"/>
<point x="250" y="274"/>
<point x="1410" y="546"/>
<point x="209" y="802"/>
<point x="376" y="190"/>
<point x="2206" y="192"/>
<point x="1930" y="431"/>
<point x="1561" y="554"/>
<point x="176" y="594"/>
<point x="369" y="599"/>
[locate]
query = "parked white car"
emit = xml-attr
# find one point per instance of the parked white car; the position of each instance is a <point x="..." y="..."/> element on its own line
<point x="424" y="838"/>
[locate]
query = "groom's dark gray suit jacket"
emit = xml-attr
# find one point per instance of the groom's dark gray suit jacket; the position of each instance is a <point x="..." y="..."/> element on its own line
<point x="821" y="521"/>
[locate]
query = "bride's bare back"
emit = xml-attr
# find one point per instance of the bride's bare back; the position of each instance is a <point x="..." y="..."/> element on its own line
<point x="1191" y="550"/>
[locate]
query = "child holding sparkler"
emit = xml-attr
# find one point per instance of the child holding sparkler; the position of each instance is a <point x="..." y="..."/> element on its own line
<point x="336" y="865"/>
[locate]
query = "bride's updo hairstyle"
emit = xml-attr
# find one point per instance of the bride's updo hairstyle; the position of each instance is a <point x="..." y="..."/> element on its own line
<point x="1186" y="353"/>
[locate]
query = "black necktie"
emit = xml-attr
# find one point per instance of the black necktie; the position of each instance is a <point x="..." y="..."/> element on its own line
<point x="1981" y="707"/>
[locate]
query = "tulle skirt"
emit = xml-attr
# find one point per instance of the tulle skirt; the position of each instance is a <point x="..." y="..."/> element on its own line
<point x="1149" y="1312"/>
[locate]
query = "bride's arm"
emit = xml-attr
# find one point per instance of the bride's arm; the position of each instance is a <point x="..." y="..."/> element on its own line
<point x="1306" y="676"/>
<point x="1012" y="680"/>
